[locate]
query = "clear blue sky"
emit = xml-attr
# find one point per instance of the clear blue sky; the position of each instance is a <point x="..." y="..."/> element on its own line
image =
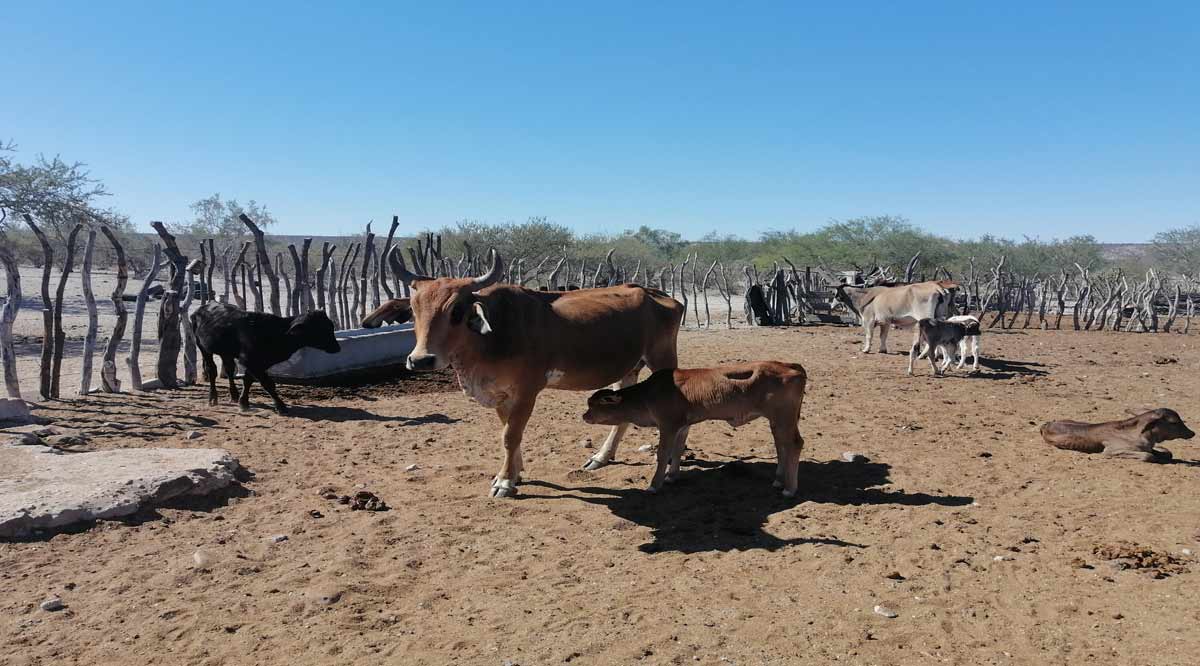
<point x="1045" y="119"/>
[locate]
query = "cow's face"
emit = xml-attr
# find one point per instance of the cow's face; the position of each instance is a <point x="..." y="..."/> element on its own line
<point x="1161" y="425"/>
<point x="393" y="311"/>
<point x="448" y="315"/>
<point x="314" y="329"/>
<point x="448" y="318"/>
<point x="606" y="407"/>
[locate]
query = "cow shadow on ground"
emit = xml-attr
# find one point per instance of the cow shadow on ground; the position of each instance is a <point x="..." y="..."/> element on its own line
<point x="724" y="506"/>
<point x="339" y="414"/>
<point x="1005" y="369"/>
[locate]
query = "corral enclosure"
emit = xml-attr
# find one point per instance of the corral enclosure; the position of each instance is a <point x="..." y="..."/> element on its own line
<point x="989" y="545"/>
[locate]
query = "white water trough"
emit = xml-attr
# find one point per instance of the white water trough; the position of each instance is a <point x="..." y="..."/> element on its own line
<point x="363" y="349"/>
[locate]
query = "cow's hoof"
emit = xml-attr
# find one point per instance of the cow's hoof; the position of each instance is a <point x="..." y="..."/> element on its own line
<point x="504" y="488"/>
<point x="592" y="464"/>
<point x="670" y="478"/>
<point x="789" y="493"/>
<point x="652" y="490"/>
<point x="777" y="483"/>
<point x="212" y="402"/>
<point x="245" y="409"/>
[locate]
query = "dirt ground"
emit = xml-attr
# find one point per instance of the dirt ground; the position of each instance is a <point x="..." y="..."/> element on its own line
<point x="990" y="546"/>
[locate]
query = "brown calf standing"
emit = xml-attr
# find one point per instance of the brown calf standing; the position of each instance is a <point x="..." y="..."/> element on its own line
<point x="1134" y="437"/>
<point x="673" y="400"/>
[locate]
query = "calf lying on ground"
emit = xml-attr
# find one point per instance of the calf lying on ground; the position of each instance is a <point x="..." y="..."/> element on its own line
<point x="971" y="340"/>
<point x="259" y="341"/>
<point x="1134" y="437"/>
<point x="673" y="400"/>
<point x="938" y="334"/>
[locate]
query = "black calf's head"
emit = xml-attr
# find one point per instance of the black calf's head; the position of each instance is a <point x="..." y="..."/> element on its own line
<point x="314" y="329"/>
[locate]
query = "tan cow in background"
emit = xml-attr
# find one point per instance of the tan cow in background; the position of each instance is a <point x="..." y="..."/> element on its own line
<point x="507" y="343"/>
<point x="900" y="306"/>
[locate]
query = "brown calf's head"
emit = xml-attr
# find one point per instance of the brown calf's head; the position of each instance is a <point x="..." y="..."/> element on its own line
<point x="606" y="407"/>
<point x="1161" y="425"/>
<point x="393" y="311"/>
<point x="447" y="314"/>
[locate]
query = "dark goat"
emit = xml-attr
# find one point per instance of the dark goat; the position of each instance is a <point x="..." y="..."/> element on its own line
<point x="259" y="341"/>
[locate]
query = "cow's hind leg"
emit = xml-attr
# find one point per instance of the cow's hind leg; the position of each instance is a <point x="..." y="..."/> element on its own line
<point x="609" y="449"/>
<point x="884" y="329"/>
<point x="513" y="416"/>
<point x="667" y="439"/>
<point x="269" y="384"/>
<point x="210" y="375"/>
<point x="247" y="382"/>
<point x="789" y="444"/>
<point x="229" y="369"/>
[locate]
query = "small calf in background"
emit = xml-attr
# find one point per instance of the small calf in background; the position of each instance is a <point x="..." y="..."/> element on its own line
<point x="941" y="335"/>
<point x="971" y="340"/>
<point x="257" y="339"/>
<point x="1134" y="437"/>
<point x="673" y="400"/>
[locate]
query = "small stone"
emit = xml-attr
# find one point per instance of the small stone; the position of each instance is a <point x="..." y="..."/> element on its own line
<point x="852" y="457"/>
<point x="586" y="442"/>
<point x="412" y="468"/>
<point x="886" y="612"/>
<point x="52" y="604"/>
<point x="192" y="434"/>
<point x="278" y="538"/>
<point x="895" y="575"/>
<point x="316" y="514"/>
<point x="1000" y="558"/>
<point x="646" y="448"/>
<point x="1186" y="551"/>
<point x="328" y="597"/>
<point x="202" y="559"/>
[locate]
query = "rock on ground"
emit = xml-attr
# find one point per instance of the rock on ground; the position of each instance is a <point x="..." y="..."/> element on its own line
<point x="43" y="488"/>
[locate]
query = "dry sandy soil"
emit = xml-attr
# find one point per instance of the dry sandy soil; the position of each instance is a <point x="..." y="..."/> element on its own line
<point x="989" y="545"/>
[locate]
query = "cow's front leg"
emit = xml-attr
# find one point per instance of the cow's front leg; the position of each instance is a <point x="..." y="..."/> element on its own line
<point x="677" y="456"/>
<point x="608" y="450"/>
<point x="667" y="439"/>
<point x="513" y="417"/>
<point x="868" y="334"/>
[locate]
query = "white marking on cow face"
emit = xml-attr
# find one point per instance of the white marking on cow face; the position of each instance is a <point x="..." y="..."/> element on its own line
<point x="554" y="376"/>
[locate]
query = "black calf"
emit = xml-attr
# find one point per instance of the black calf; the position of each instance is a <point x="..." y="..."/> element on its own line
<point x="259" y="341"/>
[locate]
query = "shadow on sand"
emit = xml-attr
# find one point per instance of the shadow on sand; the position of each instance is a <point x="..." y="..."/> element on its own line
<point x="718" y="506"/>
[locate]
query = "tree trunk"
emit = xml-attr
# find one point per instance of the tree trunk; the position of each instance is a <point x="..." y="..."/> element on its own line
<point x="169" y="342"/>
<point x="225" y="272"/>
<point x="326" y="255"/>
<point x="1173" y="308"/>
<point x="383" y="256"/>
<point x="331" y="298"/>
<point x="212" y="265"/>
<point x="189" y="340"/>
<point x="47" y="309"/>
<point x="89" y="299"/>
<point x="108" y="371"/>
<point x="290" y="310"/>
<point x="8" y="314"/>
<point x="60" y="336"/>
<point x="139" y="311"/>
<point x="264" y="261"/>
<point x="306" y="296"/>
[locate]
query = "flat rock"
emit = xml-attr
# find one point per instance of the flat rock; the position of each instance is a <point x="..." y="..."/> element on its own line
<point x="14" y="410"/>
<point x="42" y="488"/>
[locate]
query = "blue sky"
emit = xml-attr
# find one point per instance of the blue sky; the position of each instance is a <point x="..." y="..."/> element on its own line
<point x="1046" y="119"/>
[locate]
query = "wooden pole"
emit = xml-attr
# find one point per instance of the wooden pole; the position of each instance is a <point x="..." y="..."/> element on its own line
<point x="169" y="341"/>
<point x="189" y="340"/>
<point x="89" y="299"/>
<point x="60" y="336"/>
<point x="264" y="261"/>
<point x="139" y="310"/>
<point x="47" y="309"/>
<point x="383" y="265"/>
<point x="8" y="314"/>
<point x="108" y="370"/>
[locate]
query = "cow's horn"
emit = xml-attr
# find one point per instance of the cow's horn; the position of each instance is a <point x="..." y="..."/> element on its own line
<point x="493" y="273"/>
<point x="397" y="262"/>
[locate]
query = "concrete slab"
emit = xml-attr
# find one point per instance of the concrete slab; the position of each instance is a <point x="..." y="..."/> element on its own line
<point x="42" y="488"/>
<point x="362" y="349"/>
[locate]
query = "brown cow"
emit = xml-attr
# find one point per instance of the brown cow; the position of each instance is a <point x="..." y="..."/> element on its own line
<point x="507" y="343"/>
<point x="900" y="306"/>
<point x="673" y="400"/>
<point x="1134" y="437"/>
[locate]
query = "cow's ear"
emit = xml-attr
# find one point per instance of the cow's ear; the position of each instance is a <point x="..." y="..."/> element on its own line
<point x="477" y="319"/>
<point x="1136" y="411"/>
